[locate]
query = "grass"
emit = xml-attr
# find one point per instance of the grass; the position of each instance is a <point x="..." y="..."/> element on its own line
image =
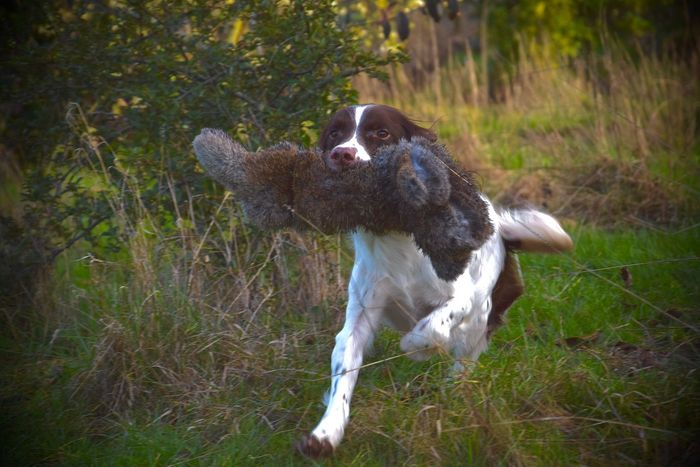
<point x="612" y="137"/>
<point x="583" y="372"/>
<point x="211" y="346"/>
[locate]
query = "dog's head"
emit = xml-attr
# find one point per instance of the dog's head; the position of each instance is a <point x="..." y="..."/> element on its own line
<point x="355" y="133"/>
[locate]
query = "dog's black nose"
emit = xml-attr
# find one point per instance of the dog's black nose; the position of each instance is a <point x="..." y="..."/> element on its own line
<point x="342" y="158"/>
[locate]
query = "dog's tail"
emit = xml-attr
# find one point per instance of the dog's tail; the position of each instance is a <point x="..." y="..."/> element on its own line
<point x="534" y="231"/>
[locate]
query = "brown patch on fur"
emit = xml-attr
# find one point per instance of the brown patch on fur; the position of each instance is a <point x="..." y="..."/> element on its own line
<point x="449" y="232"/>
<point x="508" y="288"/>
<point x="413" y="187"/>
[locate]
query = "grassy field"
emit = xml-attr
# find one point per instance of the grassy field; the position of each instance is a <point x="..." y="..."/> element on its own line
<point x="165" y="354"/>
<point x="590" y="369"/>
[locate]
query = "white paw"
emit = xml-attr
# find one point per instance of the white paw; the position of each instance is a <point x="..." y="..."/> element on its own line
<point x="423" y="340"/>
<point x="462" y="367"/>
<point x="416" y="354"/>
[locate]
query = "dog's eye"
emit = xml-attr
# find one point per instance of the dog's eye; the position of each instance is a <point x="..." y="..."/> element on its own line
<point x="334" y="134"/>
<point x="383" y="134"/>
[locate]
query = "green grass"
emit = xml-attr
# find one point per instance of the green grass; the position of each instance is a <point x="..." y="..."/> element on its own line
<point x="583" y="372"/>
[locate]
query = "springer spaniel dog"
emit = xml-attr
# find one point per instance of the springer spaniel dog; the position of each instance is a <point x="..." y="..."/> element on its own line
<point x="393" y="283"/>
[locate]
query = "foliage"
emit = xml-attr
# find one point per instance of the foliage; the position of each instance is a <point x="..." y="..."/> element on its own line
<point x="557" y="21"/>
<point x="137" y="80"/>
<point x="570" y="27"/>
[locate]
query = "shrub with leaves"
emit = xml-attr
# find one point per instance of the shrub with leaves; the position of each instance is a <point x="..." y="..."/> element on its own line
<point x="104" y="98"/>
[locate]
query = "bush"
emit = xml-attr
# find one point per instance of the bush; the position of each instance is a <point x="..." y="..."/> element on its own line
<point x="105" y="99"/>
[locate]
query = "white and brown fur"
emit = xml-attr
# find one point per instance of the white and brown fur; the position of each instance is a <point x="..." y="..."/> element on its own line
<point x="393" y="283"/>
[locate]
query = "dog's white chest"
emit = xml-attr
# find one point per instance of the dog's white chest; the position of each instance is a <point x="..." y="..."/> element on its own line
<point x="394" y="268"/>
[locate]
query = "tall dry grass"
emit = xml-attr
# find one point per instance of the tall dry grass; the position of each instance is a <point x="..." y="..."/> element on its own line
<point x="607" y="139"/>
<point x="187" y="308"/>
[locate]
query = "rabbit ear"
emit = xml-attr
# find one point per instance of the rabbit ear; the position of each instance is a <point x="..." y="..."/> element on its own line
<point x="221" y="157"/>
<point x="432" y="172"/>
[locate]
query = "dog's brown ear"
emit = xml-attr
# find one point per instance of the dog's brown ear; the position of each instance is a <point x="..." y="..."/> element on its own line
<point x="429" y="135"/>
<point x="415" y="130"/>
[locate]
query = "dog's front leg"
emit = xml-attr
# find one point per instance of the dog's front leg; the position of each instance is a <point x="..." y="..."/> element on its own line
<point x="434" y="331"/>
<point x="360" y="324"/>
<point x="465" y="315"/>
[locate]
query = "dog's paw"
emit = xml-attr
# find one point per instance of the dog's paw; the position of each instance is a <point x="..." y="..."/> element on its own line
<point x="424" y="340"/>
<point x="420" y="355"/>
<point x="313" y="447"/>
<point x="417" y="346"/>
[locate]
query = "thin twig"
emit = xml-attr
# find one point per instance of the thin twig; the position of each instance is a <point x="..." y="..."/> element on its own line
<point x="555" y="419"/>
<point x="198" y="249"/>
<point x="645" y="263"/>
